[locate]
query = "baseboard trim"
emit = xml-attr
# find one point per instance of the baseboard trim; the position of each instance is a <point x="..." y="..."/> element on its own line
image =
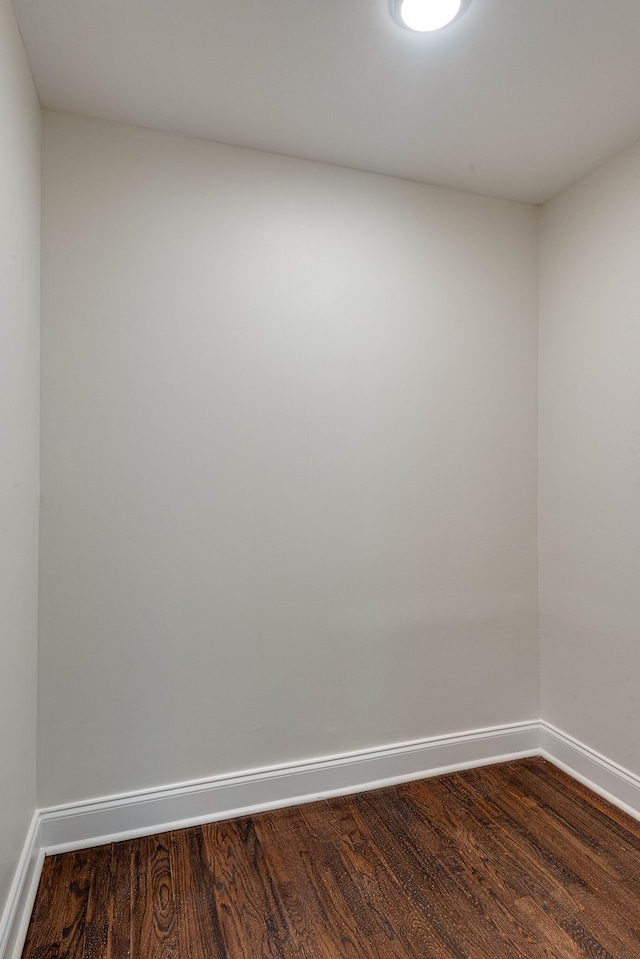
<point x="80" y="825"/>
<point x="15" y="918"/>
<point x="611" y="781"/>
<point x="136" y="814"/>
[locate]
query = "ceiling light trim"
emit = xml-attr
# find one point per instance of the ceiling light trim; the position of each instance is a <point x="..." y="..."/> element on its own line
<point x="395" y="7"/>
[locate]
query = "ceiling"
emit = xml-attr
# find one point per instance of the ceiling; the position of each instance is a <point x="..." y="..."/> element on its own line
<point x="518" y="98"/>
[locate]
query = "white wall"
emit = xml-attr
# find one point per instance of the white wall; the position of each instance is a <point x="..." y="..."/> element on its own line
<point x="19" y="399"/>
<point x="289" y="460"/>
<point x="590" y="460"/>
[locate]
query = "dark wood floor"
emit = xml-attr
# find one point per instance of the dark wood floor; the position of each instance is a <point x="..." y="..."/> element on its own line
<point x="515" y="861"/>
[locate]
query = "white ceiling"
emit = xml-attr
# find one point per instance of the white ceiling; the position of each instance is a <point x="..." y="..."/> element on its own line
<point x="518" y="98"/>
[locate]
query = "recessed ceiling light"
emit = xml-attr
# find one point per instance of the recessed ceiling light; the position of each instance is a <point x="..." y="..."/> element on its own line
<point x="427" y="15"/>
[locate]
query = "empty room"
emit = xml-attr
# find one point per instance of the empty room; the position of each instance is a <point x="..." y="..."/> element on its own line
<point x="319" y="479"/>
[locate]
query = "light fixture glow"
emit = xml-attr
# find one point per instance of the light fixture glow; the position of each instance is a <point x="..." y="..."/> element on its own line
<point x="427" y="15"/>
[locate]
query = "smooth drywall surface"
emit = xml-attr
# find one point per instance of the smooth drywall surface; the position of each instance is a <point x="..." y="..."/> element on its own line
<point x="19" y="416"/>
<point x="590" y="460"/>
<point x="289" y="460"/>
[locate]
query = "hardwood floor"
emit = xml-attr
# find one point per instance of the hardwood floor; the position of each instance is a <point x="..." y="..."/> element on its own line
<point x="514" y="861"/>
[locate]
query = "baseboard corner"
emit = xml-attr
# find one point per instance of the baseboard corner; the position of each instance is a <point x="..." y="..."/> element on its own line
<point x="595" y="771"/>
<point x="14" y="921"/>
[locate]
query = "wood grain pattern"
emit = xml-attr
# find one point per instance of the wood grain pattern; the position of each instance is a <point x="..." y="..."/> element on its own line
<point x="515" y="861"/>
<point x="153" y="907"/>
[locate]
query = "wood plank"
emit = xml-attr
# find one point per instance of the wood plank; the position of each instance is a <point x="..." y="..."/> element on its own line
<point x="44" y="927"/>
<point x="59" y="933"/>
<point x="291" y="858"/>
<point x="153" y="912"/>
<point x="97" y="929"/>
<point x="199" y="933"/>
<point x="120" y="905"/>
<point x="249" y="912"/>
<point x="108" y="922"/>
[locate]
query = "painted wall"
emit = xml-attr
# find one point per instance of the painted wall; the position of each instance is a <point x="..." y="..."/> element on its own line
<point x="289" y="460"/>
<point x="19" y="416"/>
<point x="590" y="460"/>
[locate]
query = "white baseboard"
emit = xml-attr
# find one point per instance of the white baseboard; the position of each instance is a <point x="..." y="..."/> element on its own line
<point x="608" y="779"/>
<point x="15" y="918"/>
<point x="157" y="810"/>
<point x="91" y="823"/>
